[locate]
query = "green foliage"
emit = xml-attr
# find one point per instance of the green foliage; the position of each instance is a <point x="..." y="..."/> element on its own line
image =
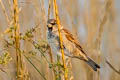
<point x="5" y="58"/>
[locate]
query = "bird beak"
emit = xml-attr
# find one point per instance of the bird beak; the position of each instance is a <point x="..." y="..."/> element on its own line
<point x="49" y="25"/>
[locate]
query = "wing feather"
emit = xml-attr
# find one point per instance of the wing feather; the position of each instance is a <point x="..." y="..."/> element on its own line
<point x="70" y="37"/>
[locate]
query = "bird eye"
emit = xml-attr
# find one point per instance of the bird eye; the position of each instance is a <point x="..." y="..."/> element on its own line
<point x="53" y="23"/>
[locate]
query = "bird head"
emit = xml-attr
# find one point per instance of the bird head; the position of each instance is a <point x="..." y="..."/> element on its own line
<point x="51" y="24"/>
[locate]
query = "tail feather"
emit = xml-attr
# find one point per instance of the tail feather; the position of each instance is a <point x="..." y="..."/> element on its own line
<point x="92" y="64"/>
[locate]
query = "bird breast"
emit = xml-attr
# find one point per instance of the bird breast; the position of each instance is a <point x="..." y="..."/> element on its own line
<point x="54" y="43"/>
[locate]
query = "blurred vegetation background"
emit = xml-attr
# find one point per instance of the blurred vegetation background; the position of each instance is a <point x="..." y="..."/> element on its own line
<point x="96" y="23"/>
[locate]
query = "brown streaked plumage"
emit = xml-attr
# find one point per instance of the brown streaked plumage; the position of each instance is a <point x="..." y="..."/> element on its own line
<point x="71" y="45"/>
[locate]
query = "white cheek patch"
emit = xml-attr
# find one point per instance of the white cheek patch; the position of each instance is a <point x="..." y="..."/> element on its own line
<point x="49" y="25"/>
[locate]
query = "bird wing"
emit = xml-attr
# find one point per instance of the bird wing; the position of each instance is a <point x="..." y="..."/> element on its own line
<point x="70" y="37"/>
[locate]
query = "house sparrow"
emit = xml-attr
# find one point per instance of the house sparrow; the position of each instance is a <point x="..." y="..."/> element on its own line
<point x="71" y="45"/>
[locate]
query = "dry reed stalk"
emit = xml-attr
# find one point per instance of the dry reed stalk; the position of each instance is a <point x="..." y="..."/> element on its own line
<point x="44" y="18"/>
<point x="51" y="60"/>
<point x="69" y="65"/>
<point x="11" y="8"/>
<point x="99" y="37"/>
<point x="19" y="63"/>
<point x="50" y="54"/>
<point x="49" y="7"/>
<point x="54" y="15"/>
<point x="51" y="4"/>
<point x="101" y="31"/>
<point x="60" y="37"/>
<point x="4" y="10"/>
<point x="93" y="21"/>
<point x="73" y="14"/>
<point x="104" y="20"/>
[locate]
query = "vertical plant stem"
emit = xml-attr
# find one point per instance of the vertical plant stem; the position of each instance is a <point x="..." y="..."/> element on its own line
<point x="4" y="10"/>
<point x="51" y="60"/>
<point x="61" y="42"/>
<point x="17" y="41"/>
<point x="54" y="10"/>
<point x="49" y="9"/>
<point x="11" y="8"/>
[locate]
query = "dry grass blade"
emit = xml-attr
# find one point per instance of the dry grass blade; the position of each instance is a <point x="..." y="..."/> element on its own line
<point x="35" y="68"/>
<point x="4" y="10"/>
<point x="111" y="66"/>
<point x="11" y="8"/>
<point x="3" y="70"/>
<point x="101" y="30"/>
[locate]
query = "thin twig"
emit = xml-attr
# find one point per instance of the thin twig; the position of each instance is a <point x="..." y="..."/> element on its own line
<point x="36" y="68"/>
<point x="40" y="50"/>
<point x="3" y="70"/>
<point x="111" y="66"/>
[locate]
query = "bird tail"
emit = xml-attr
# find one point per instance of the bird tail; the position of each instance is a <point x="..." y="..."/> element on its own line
<point x="92" y="64"/>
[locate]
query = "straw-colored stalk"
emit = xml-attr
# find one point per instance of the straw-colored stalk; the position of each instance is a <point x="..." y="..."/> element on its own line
<point x="11" y="8"/>
<point x="4" y="10"/>
<point x="60" y="37"/>
<point x="19" y="64"/>
<point x="49" y="9"/>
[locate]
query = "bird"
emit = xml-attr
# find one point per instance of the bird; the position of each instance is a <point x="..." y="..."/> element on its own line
<point x="71" y="45"/>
